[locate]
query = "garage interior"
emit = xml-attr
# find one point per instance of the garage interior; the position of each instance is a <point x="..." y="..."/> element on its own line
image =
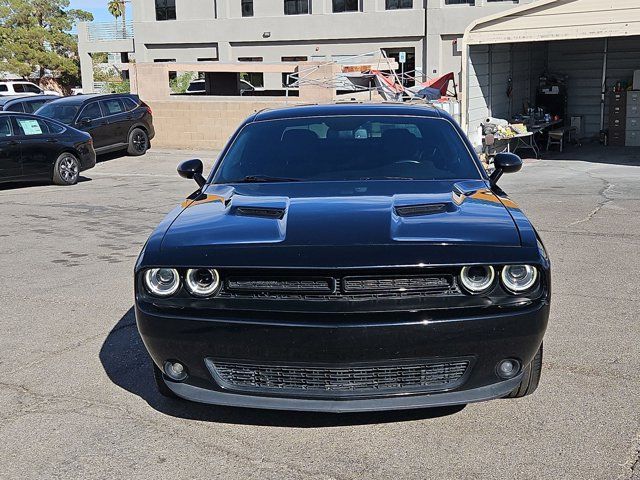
<point x="576" y="59"/>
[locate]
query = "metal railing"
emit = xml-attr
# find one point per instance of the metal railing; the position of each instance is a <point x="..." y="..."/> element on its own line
<point x="105" y="32"/>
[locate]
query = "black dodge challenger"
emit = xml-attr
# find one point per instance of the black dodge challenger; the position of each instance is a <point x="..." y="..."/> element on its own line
<point x="346" y="257"/>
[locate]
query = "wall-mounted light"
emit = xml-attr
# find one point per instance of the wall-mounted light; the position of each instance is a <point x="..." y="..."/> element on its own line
<point x="266" y="34"/>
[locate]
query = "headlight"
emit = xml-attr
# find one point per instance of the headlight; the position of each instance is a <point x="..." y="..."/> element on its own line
<point x="477" y="279"/>
<point x="202" y="282"/>
<point x="519" y="278"/>
<point x="162" y="282"/>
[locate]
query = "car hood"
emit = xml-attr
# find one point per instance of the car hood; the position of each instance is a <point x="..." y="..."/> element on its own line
<point x="334" y="214"/>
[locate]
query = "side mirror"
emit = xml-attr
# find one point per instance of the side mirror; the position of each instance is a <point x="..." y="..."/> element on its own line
<point x="86" y="121"/>
<point x="505" y="163"/>
<point x="192" y="169"/>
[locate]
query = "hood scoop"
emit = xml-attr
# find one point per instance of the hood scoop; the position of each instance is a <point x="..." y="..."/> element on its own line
<point x="261" y="212"/>
<point x="421" y="210"/>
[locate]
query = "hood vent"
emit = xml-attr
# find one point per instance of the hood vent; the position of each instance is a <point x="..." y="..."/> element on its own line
<point x="261" y="212"/>
<point x="420" y="210"/>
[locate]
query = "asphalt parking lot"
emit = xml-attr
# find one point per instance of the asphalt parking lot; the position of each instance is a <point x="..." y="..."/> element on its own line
<point x="79" y="401"/>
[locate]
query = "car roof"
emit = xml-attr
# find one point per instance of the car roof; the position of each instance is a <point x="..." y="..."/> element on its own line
<point x="24" y="98"/>
<point x="351" y="108"/>
<point x="22" y="114"/>
<point x="9" y="98"/>
<point x="82" y="99"/>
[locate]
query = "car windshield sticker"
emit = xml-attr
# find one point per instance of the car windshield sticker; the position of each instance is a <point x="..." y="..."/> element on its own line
<point x="30" y="127"/>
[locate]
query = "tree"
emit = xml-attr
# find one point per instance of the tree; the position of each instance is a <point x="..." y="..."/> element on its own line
<point x="35" y="35"/>
<point x="118" y="9"/>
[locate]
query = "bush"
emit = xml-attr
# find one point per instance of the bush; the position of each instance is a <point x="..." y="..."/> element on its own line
<point x="181" y="82"/>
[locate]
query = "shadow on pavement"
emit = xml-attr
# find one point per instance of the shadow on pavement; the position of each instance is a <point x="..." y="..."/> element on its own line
<point x="39" y="183"/>
<point x="596" y="153"/>
<point x="128" y="365"/>
<point x="107" y="157"/>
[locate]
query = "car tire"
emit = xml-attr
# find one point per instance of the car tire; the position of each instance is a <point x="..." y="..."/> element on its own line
<point x="160" y="385"/>
<point x="530" y="379"/>
<point x="138" y="142"/>
<point x="66" y="170"/>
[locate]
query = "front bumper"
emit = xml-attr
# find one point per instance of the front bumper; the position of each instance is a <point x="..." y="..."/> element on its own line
<point x="340" y="340"/>
<point x="87" y="158"/>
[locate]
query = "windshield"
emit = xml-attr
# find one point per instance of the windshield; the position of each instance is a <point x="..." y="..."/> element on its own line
<point x="344" y="148"/>
<point x="63" y="113"/>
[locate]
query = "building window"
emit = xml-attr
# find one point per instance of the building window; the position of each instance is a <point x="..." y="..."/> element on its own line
<point x="247" y="8"/>
<point x="250" y="59"/>
<point x="294" y="59"/>
<point x="340" y="6"/>
<point x="288" y="81"/>
<point x="398" y="4"/>
<point x="164" y="60"/>
<point x="254" y="79"/>
<point x="296" y="7"/>
<point x="165" y="10"/>
<point x="465" y="2"/>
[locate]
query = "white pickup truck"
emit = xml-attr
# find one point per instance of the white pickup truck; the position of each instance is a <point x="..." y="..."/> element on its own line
<point x="19" y="87"/>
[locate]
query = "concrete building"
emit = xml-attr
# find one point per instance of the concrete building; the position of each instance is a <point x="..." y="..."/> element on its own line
<point x="226" y="31"/>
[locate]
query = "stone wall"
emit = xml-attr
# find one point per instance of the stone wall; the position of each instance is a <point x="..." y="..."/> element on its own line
<point x="202" y="123"/>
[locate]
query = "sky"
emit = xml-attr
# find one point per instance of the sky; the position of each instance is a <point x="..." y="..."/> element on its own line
<point x="98" y="8"/>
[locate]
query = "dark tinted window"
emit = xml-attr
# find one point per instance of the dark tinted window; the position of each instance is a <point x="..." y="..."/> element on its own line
<point x="55" y="128"/>
<point x="31" y="107"/>
<point x="31" y="126"/>
<point x="296" y="7"/>
<point x="16" y="107"/>
<point x="165" y="9"/>
<point x="349" y="148"/>
<point x="247" y="8"/>
<point x="112" y="107"/>
<point x="31" y="88"/>
<point x="129" y="104"/>
<point x="61" y="112"/>
<point x="396" y="4"/>
<point x="346" y="6"/>
<point x="25" y="88"/>
<point x="4" y="88"/>
<point x="5" y="126"/>
<point x="91" y="111"/>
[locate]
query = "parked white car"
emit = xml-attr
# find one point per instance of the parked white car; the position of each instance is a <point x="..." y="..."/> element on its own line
<point x="19" y="87"/>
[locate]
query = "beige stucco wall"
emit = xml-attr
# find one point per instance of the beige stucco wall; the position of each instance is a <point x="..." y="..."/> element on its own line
<point x="200" y="123"/>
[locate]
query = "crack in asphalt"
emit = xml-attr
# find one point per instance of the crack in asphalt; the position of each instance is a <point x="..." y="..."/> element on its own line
<point x="602" y="193"/>
<point x="43" y="400"/>
<point x="633" y="464"/>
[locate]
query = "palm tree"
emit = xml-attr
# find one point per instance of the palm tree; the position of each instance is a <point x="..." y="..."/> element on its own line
<point x="118" y="9"/>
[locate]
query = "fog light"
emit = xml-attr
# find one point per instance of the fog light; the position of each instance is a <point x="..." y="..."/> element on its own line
<point x="175" y="371"/>
<point x="508" y="368"/>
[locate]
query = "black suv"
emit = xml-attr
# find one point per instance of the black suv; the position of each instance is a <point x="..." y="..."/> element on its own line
<point x="116" y="122"/>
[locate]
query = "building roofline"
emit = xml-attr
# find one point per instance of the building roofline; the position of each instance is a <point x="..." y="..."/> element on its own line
<point x="507" y="13"/>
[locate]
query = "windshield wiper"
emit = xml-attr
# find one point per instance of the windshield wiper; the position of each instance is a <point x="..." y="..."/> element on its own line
<point x="265" y="179"/>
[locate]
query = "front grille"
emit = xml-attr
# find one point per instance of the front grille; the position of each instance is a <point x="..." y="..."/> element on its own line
<point x="339" y="381"/>
<point x="400" y="284"/>
<point x="340" y="288"/>
<point x="280" y="285"/>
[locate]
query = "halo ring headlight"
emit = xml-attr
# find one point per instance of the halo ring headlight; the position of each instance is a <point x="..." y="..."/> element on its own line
<point x="162" y="282"/>
<point x="202" y="282"/>
<point x="519" y="278"/>
<point x="478" y="278"/>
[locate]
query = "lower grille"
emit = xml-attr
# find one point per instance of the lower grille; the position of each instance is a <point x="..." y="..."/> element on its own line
<point x="335" y="381"/>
